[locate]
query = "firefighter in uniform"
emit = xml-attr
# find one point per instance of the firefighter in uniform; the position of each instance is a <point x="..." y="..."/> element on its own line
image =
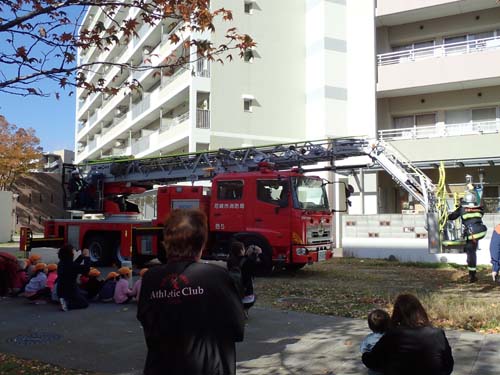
<point x="471" y="214"/>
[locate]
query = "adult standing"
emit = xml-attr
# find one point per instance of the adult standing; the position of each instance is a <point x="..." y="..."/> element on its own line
<point x="471" y="214"/>
<point x="68" y="270"/>
<point x="411" y="346"/>
<point x="495" y="252"/>
<point x="190" y="311"/>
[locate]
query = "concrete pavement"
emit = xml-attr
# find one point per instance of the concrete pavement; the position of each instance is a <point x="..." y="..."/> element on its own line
<point x="107" y="338"/>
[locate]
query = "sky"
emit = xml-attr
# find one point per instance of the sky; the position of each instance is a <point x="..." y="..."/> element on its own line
<point x="52" y="119"/>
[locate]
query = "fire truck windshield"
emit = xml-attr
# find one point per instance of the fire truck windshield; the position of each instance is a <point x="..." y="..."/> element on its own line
<point x="309" y="193"/>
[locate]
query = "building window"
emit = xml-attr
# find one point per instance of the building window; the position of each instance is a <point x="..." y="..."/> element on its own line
<point x="247" y="104"/>
<point x="425" y="119"/>
<point x="229" y="190"/>
<point x="248" y="7"/>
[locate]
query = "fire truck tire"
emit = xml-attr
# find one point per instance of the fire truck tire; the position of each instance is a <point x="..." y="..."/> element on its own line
<point x="295" y="266"/>
<point x="99" y="248"/>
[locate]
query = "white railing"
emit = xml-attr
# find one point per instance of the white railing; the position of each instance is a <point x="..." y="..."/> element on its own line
<point x="141" y="145"/>
<point x="93" y="118"/>
<point x="141" y="106"/>
<point x="167" y="123"/>
<point x="434" y="131"/>
<point x="166" y="80"/>
<point x="203" y="119"/>
<point x="203" y="68"/>
<point x="469" y="46"/>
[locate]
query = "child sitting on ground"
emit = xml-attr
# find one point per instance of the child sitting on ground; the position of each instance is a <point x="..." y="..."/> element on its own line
<point x="378" y="321"/>
<point x="122" y="290"/>
<point x="93" y="285"/>
<point x="36" y="290"/>
<point x="33" y="260"/>
<point x="136" y="289"/>
<point x="21" y="278"/>
<point x="108" y="287"/>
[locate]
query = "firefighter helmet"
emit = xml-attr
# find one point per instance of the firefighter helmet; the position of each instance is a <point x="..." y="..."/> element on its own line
<point x="470" y="198"/>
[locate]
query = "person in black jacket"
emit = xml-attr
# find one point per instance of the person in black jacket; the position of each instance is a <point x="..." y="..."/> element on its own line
<point x="190" y="311"/>
<point x="244" y="262"/>
<point x="411" y="346"/>
<point x="70" y="295"/>
<point x="471" y="214"/>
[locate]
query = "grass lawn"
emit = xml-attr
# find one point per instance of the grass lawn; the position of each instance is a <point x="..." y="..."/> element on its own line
<point x="10" y="365"/>
<point x="352" y="287"/>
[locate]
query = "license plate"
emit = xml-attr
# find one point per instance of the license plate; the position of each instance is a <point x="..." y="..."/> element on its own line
<point x="321" y="255"/>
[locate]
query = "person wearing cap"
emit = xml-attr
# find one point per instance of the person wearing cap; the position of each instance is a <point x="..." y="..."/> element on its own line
<point x="471" y="214"/>
<point x="108" y="287"/>
<point x="93" y="284"/>
<point x="32" y="262"/>
<point x="51" y="276"/>
<point x="122" y="290"/>
<point x="70" y="295"/>
<point x="136" y="289"/>
<point x="36" y="289"/>
<point x="190" y="311"/>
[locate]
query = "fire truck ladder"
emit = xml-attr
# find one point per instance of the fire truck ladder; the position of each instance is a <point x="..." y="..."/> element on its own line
<point x="204" y="165"/>
<point x="407" y="175"/>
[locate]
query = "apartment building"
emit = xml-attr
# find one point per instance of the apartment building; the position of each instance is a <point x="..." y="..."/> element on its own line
<point x="258" y="99"/>
<point x="420" y="75"/>
<point x="436" y="86"/>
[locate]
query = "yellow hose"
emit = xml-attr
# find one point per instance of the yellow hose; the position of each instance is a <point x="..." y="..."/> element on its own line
<point x="442" y="208"/>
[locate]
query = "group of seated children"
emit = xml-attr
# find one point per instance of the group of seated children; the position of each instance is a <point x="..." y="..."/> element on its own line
<point x="37" y="282"/>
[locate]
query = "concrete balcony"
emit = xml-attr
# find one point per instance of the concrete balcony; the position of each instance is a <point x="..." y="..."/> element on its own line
<point x="397" y="12"/>
<point x="440" y="130"/>
<point x="445" y="67"/>
<point x="459" y="142"/>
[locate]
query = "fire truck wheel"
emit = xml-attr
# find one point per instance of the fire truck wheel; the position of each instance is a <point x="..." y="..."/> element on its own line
<point x="98" y="246"/>
<point x="295" y="267"/>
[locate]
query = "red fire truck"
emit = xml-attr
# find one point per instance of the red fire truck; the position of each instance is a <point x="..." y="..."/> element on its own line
<point x="258" y="195"/>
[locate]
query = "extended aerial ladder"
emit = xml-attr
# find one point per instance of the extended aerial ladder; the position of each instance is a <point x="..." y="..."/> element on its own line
<point x="204" y="165"/>
<point x="109" y="177"/>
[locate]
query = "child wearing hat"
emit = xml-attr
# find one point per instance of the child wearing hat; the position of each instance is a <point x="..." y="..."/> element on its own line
<point x="33" y="260"/>
<point x="36" y="289"/>
<point x="93" y="285"/>
<point x="108" y="287"/>
<point x="122" y="291"/>
<point x="136" y="289"/>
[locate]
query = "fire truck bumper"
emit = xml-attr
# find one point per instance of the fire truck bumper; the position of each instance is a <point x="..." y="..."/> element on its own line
<point x="311" y="254"/>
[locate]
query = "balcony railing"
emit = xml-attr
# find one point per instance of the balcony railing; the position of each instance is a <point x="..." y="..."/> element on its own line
<point x="469" y="46"/>
<point x="167" y="123"/>
<point x="141" y="106"/>
<point x="203" y="119"/>
<point x="165" y="80"/>
<point x="434" y="131"/>
<point x="140" y="145"/>
<point x="203" y="68"/>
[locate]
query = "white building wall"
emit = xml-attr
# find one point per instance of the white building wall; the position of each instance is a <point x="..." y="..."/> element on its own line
<point x="274" y="80"/>
<point x="6" y="220"/>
